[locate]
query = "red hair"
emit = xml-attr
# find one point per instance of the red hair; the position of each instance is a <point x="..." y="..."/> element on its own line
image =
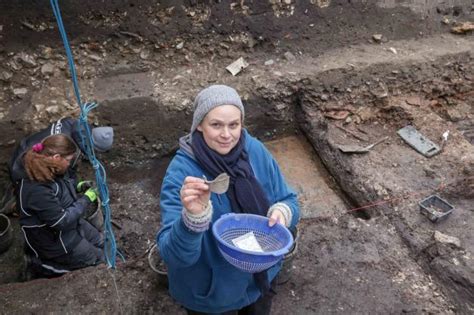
<point x="40" y="165"/>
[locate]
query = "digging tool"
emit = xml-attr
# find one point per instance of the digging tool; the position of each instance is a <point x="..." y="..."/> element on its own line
<point x="355" y="148"/>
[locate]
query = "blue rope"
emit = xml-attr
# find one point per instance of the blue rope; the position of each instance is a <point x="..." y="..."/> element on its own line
<point x="110" y="246"/>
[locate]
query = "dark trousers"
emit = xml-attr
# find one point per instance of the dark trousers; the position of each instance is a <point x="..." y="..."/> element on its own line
<point x="262" y="306"/>
<point x="88" y="252"/>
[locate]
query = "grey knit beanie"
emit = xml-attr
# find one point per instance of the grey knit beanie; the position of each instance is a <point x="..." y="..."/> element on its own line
<point x="212" y="97"/>
<point x="103" y="138"/>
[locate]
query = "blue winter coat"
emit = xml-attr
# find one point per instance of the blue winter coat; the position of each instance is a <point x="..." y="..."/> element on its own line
<point x="199" y="277"/>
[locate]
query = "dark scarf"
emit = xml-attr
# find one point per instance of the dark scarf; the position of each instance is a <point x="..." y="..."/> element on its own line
<point x="245" y="193"/>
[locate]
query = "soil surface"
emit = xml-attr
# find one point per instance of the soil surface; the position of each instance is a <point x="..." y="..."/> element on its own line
<point x="334" y="72"/>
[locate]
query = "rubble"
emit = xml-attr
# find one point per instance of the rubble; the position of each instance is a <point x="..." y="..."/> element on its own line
<point x="377" y="37"/>
<point x="446" y="239"/>
<point x="5" y="76"/>
<point x="269" y="62"/>
<point x="237" y="66"/>
<point x="463" y="28"/>
<point x="289" y="56"/>
<point x="20" y="92"/>
<point x="47" y="69"/>
<point x="26" y="60"/>
<point x="53" y="109"/>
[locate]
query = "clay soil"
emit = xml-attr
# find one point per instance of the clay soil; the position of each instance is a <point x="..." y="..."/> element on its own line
<point x="145" y="60"/>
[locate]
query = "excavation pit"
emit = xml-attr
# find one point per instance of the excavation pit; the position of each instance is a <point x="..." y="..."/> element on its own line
<point x="349" y="89"/>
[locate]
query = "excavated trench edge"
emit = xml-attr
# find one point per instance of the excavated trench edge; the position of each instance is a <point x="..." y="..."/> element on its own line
<point x="448" y="282"/>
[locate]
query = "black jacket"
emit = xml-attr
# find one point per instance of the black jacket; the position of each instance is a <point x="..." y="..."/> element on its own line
<point x="67" y="126"/>
<point x="49" y="216"/>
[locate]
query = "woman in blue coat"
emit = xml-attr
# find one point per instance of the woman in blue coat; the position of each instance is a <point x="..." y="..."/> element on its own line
<point x="199" y="277"/>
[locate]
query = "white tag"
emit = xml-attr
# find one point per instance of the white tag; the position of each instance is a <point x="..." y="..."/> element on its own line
<point x="248" y="241"/>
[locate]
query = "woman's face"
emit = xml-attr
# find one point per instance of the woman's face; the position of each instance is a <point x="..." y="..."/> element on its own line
<point x="63" y="162"/>
<point x="221" y="128"/>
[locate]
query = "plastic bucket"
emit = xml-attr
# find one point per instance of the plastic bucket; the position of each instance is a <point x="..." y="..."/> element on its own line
<point x="96" y="218"/>
<point x="287" y="267"/>
<point x="6" y="234"/>
<point x="157" y="265"/>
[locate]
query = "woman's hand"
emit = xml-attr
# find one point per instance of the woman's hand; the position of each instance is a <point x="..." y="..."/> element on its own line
<point x="276" y="217"/>
<point x="195" y="195"/>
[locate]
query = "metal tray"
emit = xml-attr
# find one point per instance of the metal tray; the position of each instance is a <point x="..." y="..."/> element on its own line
<point x="435" y="208"/>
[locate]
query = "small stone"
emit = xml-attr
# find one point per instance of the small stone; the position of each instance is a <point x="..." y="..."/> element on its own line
<point x="186" y="102"/>
<point x="429" y="171"/>
<point x="324" y="97"/>
<point x="6" y="76"/>
<point x="39" y="107"/>
<point x="378" y="188"/>
<point x="27" y="60"/>
<point x="28" y="25"/>
<point x="145" y="54"/>
<point x="377" y="37"/>
<point x="289" y="56"/>
<point x="1" y="28"/>
<point x="20" y="92"/>
<point x="353" y="225"/>
<point x="95" y="57"/>
<point x="180" y="45"/>
<point x="393" y="50"/>
<point x="157" y="147"/>
<point x="54" y="109"/>
<point x="15" y="65"/>
<point x="47" y="52"/>
<point x="287" y="1"/>
<point x="445" y="21"/>
<point x="269" y="62"/>
<point x="225" y="46"/>
<point x="280" y="106"/>
<point x="251" y="42"/>
<point x="47" y="69"/>
<point x="454" y="115"/>
<point x="446" y="239"/>
<point x="177" y="77"/>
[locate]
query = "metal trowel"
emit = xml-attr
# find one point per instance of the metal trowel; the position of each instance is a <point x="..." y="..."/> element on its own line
<point x="355" y="148"/>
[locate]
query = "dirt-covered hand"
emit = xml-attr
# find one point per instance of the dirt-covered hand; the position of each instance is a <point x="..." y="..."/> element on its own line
<point x="195" y="195"/>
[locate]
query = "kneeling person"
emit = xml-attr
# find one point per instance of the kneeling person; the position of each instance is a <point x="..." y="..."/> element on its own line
<point x="51" y="211"/>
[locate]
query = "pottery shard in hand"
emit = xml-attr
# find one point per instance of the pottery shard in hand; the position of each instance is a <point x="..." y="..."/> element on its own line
<point x="220" y="184"/>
